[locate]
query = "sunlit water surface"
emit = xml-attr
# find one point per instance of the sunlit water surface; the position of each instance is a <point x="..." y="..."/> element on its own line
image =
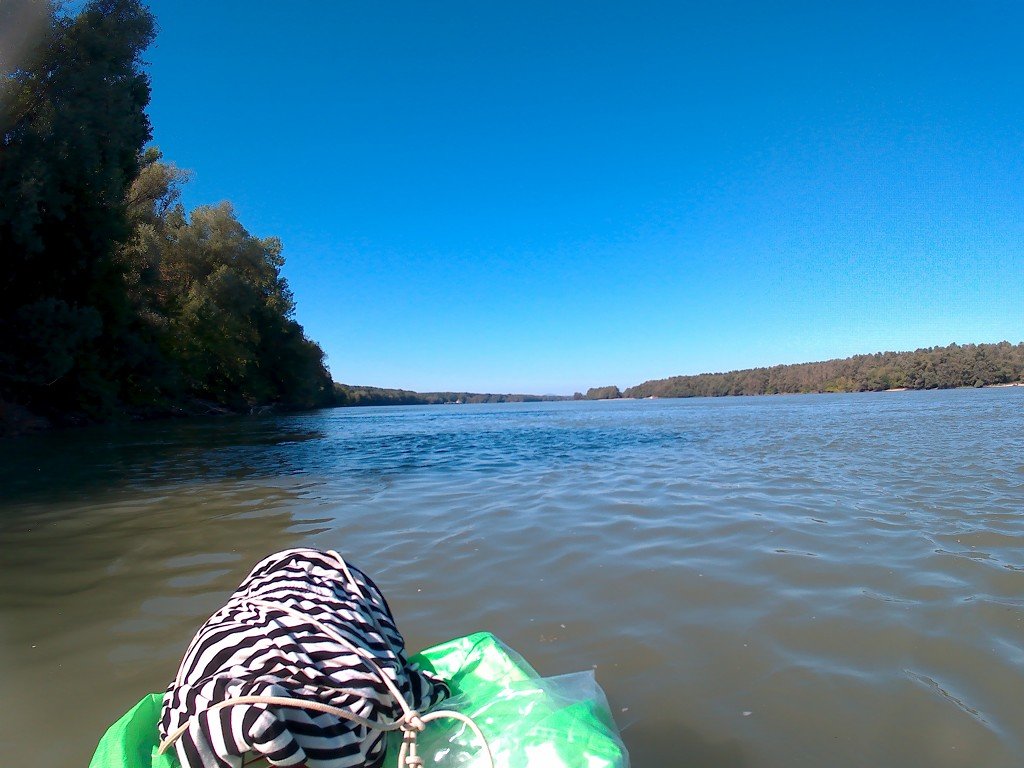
<point x="769" y="582"/>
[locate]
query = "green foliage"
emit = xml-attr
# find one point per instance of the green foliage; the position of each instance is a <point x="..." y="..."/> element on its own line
<point x="44" y="338"/>
<point x="111" y="295"/>
<point x="603" y="393"/>
<point x="74" y="125"/>
<point x="968" y="365"/>
<point x="210" y="298"/>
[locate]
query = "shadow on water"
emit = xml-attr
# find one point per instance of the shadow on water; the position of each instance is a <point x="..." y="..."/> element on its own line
<point x="63" y="465"/>
<point x="649" y="742"/>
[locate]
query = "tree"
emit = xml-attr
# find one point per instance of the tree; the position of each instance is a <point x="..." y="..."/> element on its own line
<point x="930" y="368"/>
<point x="112" y="297"/>
<point x="211" y="304"/>
<point x="603" y="393"/>
<point x="73" y="132"/>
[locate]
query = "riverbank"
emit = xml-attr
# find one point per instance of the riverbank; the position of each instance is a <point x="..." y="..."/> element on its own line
<point x="949" y="367"/>
<point x="17" y="420"/>
<point x="807" y="392"/>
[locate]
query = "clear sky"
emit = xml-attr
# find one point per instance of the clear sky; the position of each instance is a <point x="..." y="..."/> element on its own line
<point x="547" y="196"/>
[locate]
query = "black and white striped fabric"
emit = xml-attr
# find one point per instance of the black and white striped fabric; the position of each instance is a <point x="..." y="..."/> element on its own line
<point x="270" y="640"/>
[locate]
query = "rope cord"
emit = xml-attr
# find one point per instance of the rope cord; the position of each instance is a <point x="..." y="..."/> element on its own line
<point x="411" y="723"/>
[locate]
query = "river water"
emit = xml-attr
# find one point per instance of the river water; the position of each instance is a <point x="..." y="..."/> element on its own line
<point x="764" y="582"/>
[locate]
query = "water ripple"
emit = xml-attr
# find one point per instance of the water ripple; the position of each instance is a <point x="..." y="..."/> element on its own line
<point x="783" y="581"/>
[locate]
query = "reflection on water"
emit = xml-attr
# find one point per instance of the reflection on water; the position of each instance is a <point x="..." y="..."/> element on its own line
<point x="760" y="582"/>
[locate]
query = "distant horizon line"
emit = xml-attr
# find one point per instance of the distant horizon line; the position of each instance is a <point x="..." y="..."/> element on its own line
<point x="570" y="396"/>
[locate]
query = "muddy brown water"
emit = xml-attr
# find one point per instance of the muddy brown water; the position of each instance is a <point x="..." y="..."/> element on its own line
<point x="832" y="580"/>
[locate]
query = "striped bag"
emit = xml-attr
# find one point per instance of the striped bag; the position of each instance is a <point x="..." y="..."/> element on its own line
<point x="303" y="625"/>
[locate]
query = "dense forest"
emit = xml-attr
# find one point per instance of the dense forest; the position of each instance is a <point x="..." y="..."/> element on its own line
<point x="346" y="394"/>
<point x="967" y="365"/>
<point x="114" y="300"/>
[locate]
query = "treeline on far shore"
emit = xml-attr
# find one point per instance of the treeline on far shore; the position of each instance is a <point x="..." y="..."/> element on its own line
<point x="346" y="394"/>
<point x="957" y="365"/>
<point x="114" y="300"/>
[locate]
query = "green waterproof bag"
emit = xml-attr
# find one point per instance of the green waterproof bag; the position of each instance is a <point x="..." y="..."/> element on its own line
<point x="528" y="721"/>
<point x="132" y="741"/>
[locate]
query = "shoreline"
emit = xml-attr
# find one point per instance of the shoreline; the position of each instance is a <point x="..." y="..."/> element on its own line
<point x="18" y="421"/>
<point x="815" y="392"/>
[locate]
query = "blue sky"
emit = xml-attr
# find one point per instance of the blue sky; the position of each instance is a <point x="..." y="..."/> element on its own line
<point x="547" y="196"/>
